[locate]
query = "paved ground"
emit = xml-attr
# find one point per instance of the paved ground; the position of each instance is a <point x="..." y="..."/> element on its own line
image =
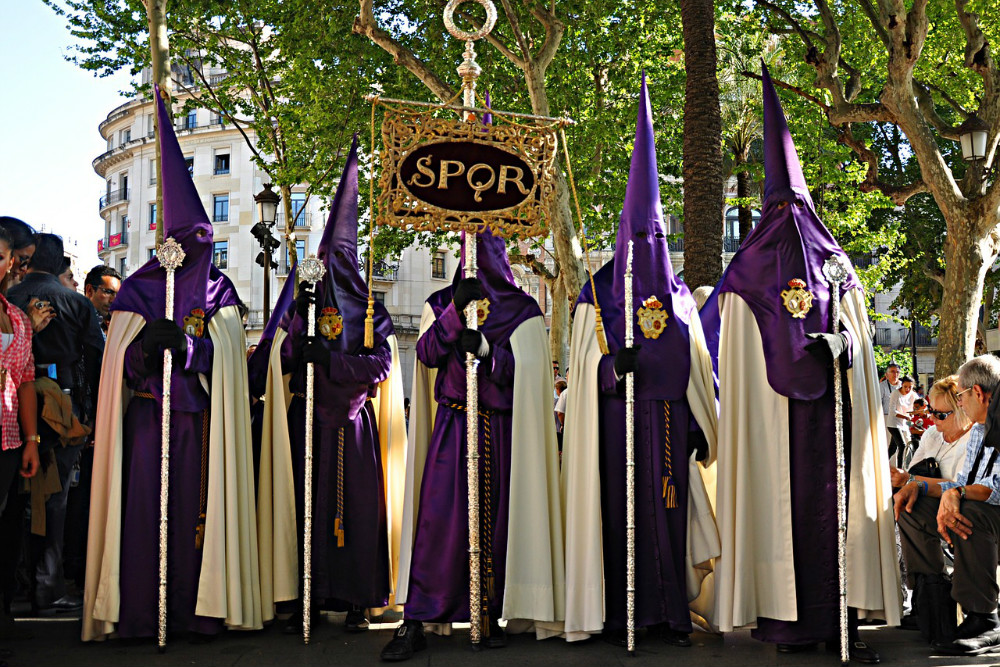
<point x="57" y="643"/>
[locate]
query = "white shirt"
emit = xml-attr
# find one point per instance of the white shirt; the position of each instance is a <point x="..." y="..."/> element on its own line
<point x="887" y="390"/>
<point x="898" y="403"/>
<point x="949" y="455"/>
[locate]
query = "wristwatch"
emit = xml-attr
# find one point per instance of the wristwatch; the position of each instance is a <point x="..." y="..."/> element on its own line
<point x="37" y="439"/>
<point x="961" y="492"/>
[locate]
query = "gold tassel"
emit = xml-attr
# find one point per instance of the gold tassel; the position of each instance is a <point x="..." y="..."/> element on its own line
<point x="199" y="532"/>
<point x="370" y="324"/>
<point x="602" y="340"/>
<point x="669" y="493"/>
<point x="338" y="530"/>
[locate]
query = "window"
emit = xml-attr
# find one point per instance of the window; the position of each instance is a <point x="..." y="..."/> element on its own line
<point x="220" y="254"/>
<point x="151" y="252"/>
<point x="152" y="215"/>
<point x="437" y="265"/>
<point x="111" y="142"/>
<point x="298" y="206"/>
<point x="189" y="161"/>
<point x="126" y="136"/>
<point x="150" y="126"/>
<point x="300" y="253"/>
<point x="379" y="297"/>
<point x="121" y="267"/>
<point x="221" y="163"/>
<point x="124" y="223"/>
<point x="152" y="171"/>
<point x="220" y="208"/>
<point x="190" y="121"/>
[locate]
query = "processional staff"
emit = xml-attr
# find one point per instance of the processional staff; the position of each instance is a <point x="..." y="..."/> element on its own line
<point x="629" y="465"/>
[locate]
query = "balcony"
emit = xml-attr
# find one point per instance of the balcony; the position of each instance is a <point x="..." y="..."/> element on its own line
<point x="113" y="241"/>
<point x="303" y="219"/>
<point x="730" y="243"/>
<point x="385" y="272"/>
<point x="112" y="198"/>
<point x="220" y="217"/>
<point x="186" y="123"/>
<point x="404" y="323"/>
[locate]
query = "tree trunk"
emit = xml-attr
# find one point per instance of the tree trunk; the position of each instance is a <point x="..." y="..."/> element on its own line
<point x="965" y="259"/>
<point x="703" y="194"/>
<point x="559" y="346"/>
<point x="159" y="47"/>
<point x="743" y="192"/>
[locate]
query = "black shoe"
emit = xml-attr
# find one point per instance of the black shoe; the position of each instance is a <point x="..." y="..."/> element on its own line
<point x="356" y="621"/>
<point x="975" y="625"/>
<point x="293" y="624"/>
<point x="616" y="637"/>
<point x="985" y="641"/>
<point x="863" y="653"/>
<point x="497" y="638"/>
<point x="796" y="648"/>
<point x="68" y="603"/>
<point x="407" y="640"/>
<point x="674" y="637"/>
<point x="909" y="622"/>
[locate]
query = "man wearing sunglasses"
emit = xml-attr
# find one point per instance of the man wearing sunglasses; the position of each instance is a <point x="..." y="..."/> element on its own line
<point x="967" y="509"/>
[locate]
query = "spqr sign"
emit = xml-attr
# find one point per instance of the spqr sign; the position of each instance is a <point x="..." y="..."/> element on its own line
<point x="467" y="176"/>
<point x="445" y="173"/>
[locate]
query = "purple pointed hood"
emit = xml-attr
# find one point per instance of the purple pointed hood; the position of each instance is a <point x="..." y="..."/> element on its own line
<point x="198" y="284"/>
<point x="653" y="276"/>
<point x="343" y="288"/>
<point x="788" y="245"/>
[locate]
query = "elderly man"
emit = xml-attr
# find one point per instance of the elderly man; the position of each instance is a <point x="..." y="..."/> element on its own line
<point x="966" y="508"/>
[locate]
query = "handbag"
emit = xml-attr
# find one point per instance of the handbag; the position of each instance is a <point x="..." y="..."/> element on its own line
<point x="928" y="467"/>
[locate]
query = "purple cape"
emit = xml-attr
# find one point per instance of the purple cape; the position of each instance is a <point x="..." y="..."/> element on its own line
<point x="198" y="284"/>
<point x="642" y="222"/>
<point x="789" y="243"/>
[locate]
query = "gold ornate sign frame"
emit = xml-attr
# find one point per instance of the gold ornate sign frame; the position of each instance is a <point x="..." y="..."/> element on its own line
<point x="406" y="129"/>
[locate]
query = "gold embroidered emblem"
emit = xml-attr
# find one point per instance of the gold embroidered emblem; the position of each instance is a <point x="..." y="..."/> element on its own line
<point x="798" y="300"/>
<point x="652" y="318"/>
<point x="483" y="310"/>
<point x="194" y="324"/>
<point x="330" y="323"/>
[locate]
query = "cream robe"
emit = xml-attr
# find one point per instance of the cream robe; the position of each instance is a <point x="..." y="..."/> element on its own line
<point x="229" y="583"/>
<point x="581" y="483"/>
<point x="755" y="576"/>
<point x="534" y="590"/>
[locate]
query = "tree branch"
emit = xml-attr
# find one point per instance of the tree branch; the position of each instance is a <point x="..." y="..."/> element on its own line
<point x="534" y="263"/>
<point x="515" y="25"/>
<point x="897" y="193"/>
<point x="554" y="29"/>
<point x="365" y="24"/>
<point x="796" y="26"/>
<point x="801" y="92"/>
<point x="926" y="104"/>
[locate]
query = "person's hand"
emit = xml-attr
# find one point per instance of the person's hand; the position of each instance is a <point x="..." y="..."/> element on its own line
<point x="467" y="291"/>
<point x="313" y="352"/>
<point x="163" y="334"/>
<point x="905" y="499"/>
<point x="41" y="313"/>
<point x="898" y="476"/>
<point x="627" y="360"/>
<point x="826" y="346"/>
<point x="949" y="518"/>
<point x="307" y="295"/>
<point x="474" y="342"/>
<point x="30" y="463"/>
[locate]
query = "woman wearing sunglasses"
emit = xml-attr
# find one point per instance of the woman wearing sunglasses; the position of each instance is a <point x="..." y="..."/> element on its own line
<point x="945" y="440"/>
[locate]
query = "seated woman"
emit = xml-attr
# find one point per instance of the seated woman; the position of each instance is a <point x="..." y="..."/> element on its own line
<point x="945" y="440"/>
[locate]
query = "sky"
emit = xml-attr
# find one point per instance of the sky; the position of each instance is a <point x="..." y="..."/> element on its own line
<point x="49" y="113"/>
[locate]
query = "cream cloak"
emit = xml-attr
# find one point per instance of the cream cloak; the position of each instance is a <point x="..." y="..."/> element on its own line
<point x="755" y="576"/>
<point x="277" y="517"/>
<point x="581" y="483"/>
<point x="534" y="591"/>
<point x="229" y="585"/>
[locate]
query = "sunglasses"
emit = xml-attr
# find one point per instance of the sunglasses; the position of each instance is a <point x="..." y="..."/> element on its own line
<point x="940" y="416"/>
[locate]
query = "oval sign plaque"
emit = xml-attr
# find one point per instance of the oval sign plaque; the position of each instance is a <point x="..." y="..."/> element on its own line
<point x="467" y="176"/>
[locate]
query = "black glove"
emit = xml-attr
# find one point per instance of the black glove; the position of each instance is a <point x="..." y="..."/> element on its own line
<point x="314" y="352"/>
<point x="474" y="342"/>
<point x="162" y="334"/>
<point x="306" y="296"/>
<point x="825" y="346"/>
<point x="697" y="442"/>
<point x="468" y="290"/>
<point x="627" y="360"/>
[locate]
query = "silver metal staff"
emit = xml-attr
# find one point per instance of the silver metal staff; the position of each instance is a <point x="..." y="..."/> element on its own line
<point x="629" y="466"/>
<point x="469" y="71"/>
<point x="171" y="256"/>
<point x="311" y="271"/>
<point x="835" y="273"/>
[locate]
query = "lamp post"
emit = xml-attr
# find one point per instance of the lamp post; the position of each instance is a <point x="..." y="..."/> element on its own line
<point x="267" y="211"/>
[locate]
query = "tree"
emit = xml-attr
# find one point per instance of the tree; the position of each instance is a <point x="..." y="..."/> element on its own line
<point x="703" y="194"/>
<point x="900" y="72"/>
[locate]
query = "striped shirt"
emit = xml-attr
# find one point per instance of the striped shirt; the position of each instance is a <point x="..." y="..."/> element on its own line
<point x="982" y="466"/>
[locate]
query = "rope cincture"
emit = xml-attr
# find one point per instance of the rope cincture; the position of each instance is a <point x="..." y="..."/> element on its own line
<point x="370" y="312"/>
<point x="338" y="519"/>
<point x="486" y="517"/>
<point x="199" y="530"/>
<point x="669" y="488"/>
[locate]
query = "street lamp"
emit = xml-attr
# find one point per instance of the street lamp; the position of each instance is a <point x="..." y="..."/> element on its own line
<point x="267" y="212"/>
<point x="974" y="133"/>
